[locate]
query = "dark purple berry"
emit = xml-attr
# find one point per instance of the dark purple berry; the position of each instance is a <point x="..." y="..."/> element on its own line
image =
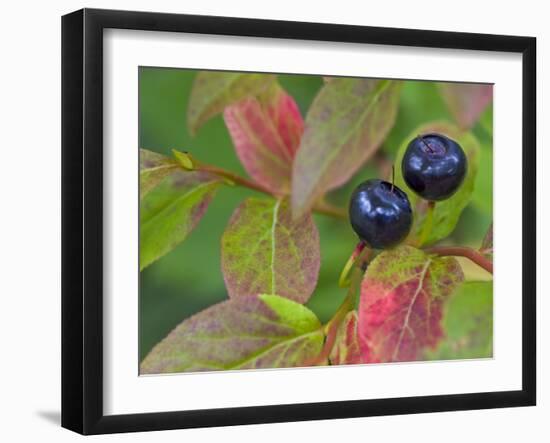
<point x="434" y="166"/>
<point x="380" y="213"/>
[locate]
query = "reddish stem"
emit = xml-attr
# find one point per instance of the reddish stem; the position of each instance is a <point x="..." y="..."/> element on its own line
<point x="462" y="251"/>
<point x="233" y="178"/>
<point x="321" y="207"/>
<point x="361" y="254"/>
<point x="332" y="332"/>
<point x="343" y="281"/>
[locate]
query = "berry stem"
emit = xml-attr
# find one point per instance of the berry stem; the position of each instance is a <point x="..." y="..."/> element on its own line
<point x="383" y="164"/>
<point x="426" y="144"/>
<point x="343" y="281"/>
<point x="461" y="251"/>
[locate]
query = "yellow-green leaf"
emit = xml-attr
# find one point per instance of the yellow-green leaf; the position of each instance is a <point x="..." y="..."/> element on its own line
<point x="171" y="211"/>
<point x="265" y="251"/>
<point x="153" y="168"/>
<point x="254" y="332"/>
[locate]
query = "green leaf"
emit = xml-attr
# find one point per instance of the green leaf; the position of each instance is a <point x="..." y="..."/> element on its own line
<point x="486" y="120"/>
<point x="153" y="168"/>
<point x="345" y="125"/>
<point x="254" y="332"/>
<point x="447" y="212"/>
<point x="482" y="197"/>
<point x="346" y="350"/>
<point x="487" y="244"/>
<point x="265" y="251"/>
<point x="468" y="322"/>
<point x="212" y="91"/>
<point x="402" y="298"/>
<point x="171" y="211"/>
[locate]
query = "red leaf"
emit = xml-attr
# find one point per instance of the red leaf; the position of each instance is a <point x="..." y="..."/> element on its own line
<point x="266" y="133"/>
<point x="346" y="350"/>
<point x="402" y="296"/>
<point x="466" y="101"/>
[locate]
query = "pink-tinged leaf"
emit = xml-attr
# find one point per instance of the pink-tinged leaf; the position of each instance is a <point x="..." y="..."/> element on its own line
<point x="153" y="168"/>
<point x="346" y="350"/>
<point x="265" y="251"/>
<point x="487" y="244"/>
<point x="170" y="211"/>
<point x="345" y="125"/>
<point x="402" y="298"/>
<point x="265" y="331"/>
<point x="466" y="101"/>
<point x="266" y="133"/>
<point x="214" y="90"/>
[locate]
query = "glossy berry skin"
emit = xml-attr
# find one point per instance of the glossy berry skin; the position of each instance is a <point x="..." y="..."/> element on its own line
<point x="434" y="166"/>
<point x="380" y="214"/>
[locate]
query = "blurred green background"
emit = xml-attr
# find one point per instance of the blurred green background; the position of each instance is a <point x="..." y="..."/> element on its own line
<point x="189" y="279"/>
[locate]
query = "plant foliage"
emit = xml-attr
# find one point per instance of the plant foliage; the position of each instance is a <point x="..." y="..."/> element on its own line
<point x="412" y="302"/>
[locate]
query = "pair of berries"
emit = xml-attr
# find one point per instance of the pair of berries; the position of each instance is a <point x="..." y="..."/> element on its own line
<point x="434" y="167"/>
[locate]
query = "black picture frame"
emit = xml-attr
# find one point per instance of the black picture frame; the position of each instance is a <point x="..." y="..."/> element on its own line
<point x="82" y="220"/>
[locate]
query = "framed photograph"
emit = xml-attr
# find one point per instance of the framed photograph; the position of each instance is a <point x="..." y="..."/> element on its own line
<point x="270" y="221"/>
